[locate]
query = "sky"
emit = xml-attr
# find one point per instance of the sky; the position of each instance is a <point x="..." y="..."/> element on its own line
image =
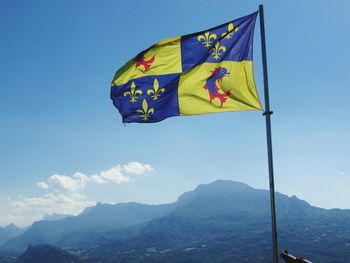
<point x="63" y="146"/>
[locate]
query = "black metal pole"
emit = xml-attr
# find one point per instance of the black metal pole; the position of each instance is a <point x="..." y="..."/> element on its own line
<point x="267" y="115"/>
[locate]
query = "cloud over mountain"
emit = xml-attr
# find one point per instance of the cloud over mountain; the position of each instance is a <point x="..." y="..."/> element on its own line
<point x="65" y="193"/>
<point x="52" y="203"/>
<point x="118" y="174"/>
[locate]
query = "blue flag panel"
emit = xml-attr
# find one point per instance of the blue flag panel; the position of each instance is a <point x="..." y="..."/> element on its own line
<point x="230" y="42"/>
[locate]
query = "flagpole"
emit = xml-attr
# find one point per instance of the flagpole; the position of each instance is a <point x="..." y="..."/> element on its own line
<point x="267" y="115"/>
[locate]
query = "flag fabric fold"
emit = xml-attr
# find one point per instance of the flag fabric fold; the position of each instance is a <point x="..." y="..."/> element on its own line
<point x="205" y="72"/>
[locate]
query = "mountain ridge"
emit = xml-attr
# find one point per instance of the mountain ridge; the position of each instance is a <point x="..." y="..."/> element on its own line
<point x="8" y="232"/>
<point x="225" y="217"/>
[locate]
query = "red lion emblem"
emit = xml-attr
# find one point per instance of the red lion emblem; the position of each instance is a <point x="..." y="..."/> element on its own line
<point x="140" y="60"/>
<point x="213" y="88"/>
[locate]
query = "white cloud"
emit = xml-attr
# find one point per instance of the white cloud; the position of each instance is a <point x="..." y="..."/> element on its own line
<point x="24" y="210"/>
<point x="18" y="220"/>
<point x="51" y="203"/>
<point x="42" y="185"/>
<point x="137" y="168"/>
<point x="68" y="183"/>
<point x="78" y="181"/>
<point x="115" y="175"/>
<point x="97" y="179"/>
<point x="64" y="196"/>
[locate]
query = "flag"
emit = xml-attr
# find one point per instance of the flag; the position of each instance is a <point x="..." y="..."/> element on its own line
<point x="206" y="72"/>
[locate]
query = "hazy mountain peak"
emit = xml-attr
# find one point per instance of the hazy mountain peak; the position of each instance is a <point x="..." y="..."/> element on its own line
<point x="11" y="227"/>
<point x="224" y="184"/>
<point x="55" y="216"/>
<point x="216" y="188"/>
<point x="8" y="232"/>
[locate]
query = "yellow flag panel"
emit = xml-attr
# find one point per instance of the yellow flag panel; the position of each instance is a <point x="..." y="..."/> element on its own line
<point x="160" y="59"/>
<point x="221" y="87"/>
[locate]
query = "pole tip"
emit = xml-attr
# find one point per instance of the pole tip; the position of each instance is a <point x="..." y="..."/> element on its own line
<point x="261" y="9"/>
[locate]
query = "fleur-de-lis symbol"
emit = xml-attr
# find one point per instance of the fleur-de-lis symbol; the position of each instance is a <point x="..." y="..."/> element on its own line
<point x="145" y="112"/>
<point x="217" y="50"/>
<point x="207" y="39"/>
<point x="133" y="93"/>
<point x="231" y="29"/>
<point x="156" y="91"/>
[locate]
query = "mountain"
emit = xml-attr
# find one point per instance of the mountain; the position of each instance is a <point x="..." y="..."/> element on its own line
<point x="227" y="221"/>
<point x="224" y="221"/>
<point x="55" y="217"/>
<point x="8" y="232"/>
<point x="100" y="224"/>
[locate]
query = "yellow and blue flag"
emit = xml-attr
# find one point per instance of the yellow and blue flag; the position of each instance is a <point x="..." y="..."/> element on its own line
<point x="206" y="72"/>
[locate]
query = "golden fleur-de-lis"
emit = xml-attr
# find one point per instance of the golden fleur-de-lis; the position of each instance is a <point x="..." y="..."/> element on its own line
<point x="145" y="112"/>
<point x="231" y="29"/>
<point x="207" y="39"/>
<point x="217" y="50"/>
<point x="156" y="91"/>
<point x="133" y="93"/>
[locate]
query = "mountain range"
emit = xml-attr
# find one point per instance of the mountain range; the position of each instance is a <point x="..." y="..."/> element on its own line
<point x="10" y="231"/>
<point x="224" y="221"/>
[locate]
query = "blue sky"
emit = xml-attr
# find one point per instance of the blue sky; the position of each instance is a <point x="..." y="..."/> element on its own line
<point x="57" y="59"/>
